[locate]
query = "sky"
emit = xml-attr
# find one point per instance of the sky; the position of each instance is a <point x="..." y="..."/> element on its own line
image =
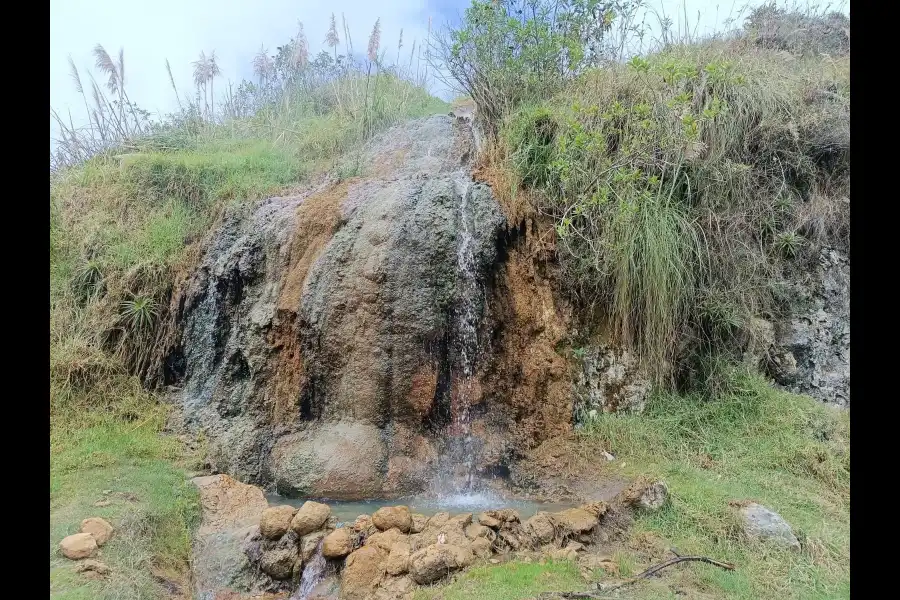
<point x="178" y="30"/>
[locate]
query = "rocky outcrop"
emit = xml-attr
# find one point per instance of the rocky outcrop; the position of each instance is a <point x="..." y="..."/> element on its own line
<point x="811" y="349"/>
<point x="610" y="380"/>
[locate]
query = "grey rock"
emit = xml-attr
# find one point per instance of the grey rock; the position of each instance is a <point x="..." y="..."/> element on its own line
<point x="654" y="496"/>
<point x="765" y="524"/>
<point x="610" y="380"/>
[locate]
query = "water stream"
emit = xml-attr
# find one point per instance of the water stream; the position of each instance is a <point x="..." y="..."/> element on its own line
<point x="313" y="573"/>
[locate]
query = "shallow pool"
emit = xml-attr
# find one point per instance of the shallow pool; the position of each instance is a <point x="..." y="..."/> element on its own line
<point x="346" y="511"/>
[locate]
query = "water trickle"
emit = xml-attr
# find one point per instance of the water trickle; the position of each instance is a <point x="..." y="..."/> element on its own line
<point x="313" y="573"/>
<point x="458" y="477"/>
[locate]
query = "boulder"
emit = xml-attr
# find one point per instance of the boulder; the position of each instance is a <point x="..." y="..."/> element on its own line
<point x="395" y="588"/>
<point x="78" y="546"/>
<point x="275" y="521"/>
<point x="362" y="572"/>
<point x="311" y="517"/>
<point x="481" y="547"/>
<point x="97" y="527"/>
<point x="653" y="496"/>
<point x="763" y="523"/>
<point x="338" y="543"/>
<point x="504" y="515"/>
<point x="386" y="539"/>
<point x="575" y="520"/>
<point x="279" y="563"/>
<point x="418" y="523"/>
<point x="398" y="560"/>
<point x="489" y="521"/>
<point x="541" y="527"/>
<point x="437" y="560"/>
<point x="598" y="509"/>
<point x="475" y="531"/>
<point x="363" y="524"/>
<point x="389" y="517"/>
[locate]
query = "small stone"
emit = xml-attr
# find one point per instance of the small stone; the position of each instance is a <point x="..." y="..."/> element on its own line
<point x="609" y="457"/>
<point x="102" y="503"/>
<point x="78" y="546"/>
<point x="275" y="521"/>
<point x="388" y="517"/>
<point x="311" y="517"/>
<point x="338" y="543"/>
<point x="576" y="520"/>
<point x="97" y="527"/>
<point x="363" y="524"/>
<point x="494" y="561"/>
<point x="765" y="524"/>
<point x="654" y="496"/>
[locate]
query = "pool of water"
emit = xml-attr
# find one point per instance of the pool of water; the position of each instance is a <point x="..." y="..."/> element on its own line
<point x="347" y="511"/>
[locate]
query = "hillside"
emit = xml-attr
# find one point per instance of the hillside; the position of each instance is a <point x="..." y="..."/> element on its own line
<point x="588" y="273"/>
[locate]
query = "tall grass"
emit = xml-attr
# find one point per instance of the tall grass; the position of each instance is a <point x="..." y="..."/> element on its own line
<point x="684" y="183"/>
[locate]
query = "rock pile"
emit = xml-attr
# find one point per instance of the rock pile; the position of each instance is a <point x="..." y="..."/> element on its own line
<point x="95" y="532"/>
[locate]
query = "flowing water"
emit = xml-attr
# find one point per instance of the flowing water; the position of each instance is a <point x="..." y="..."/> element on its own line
<point x="458" y="477"/>
<point x="313" y="573"/>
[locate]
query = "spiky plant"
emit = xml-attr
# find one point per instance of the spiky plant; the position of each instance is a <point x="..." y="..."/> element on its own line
<point x="262" y="65"/>
<point x="789" y="243"/>
<point x="88" y="280"/>
<point x="138" y="314"/>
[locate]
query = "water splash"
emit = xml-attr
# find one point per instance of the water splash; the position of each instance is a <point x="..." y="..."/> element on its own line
<point x="313" y="573"/>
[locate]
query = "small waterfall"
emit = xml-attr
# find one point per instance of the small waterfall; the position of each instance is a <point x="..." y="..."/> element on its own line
<point x="465" y="323"/>
<point x="313" y="573"/>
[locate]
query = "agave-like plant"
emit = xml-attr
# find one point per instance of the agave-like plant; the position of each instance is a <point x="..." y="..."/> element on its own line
<point x="789" y="243"/>
<point x="139" y="313"/>
<point x="88" y="280"/>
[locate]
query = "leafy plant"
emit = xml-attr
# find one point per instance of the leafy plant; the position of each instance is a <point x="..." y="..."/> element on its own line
<point x="88" y="279"/>
<point x="789" y="244"/>
<point x="139" y="313"/>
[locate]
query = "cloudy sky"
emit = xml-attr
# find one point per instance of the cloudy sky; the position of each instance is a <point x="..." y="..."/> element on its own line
<point x="177" y="30"/>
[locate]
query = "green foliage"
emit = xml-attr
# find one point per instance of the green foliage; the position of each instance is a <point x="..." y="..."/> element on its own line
<point x="139" y="313"/>
<point x="508" y="53"/>
<point x="511" y="581"/>
<point x="669" y="176"/>
<point x="748" y="442"/>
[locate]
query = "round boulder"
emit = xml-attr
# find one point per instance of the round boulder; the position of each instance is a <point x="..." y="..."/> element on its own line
<point x="78" y="546"/>
<point x="97" y="527"/>
<point x="389" y="517"/>
<point x="276" y="520"/>
<point x="362" y="571"/>
<point x="437" y="560"/>
<point x="278" y="564"/>
<point x="311" y="517"/>
<point x="338" y="543"/>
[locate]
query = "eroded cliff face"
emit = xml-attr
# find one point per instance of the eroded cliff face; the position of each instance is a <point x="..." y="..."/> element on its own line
<point x="319" y="345"/>
<point x="322" y="350"/>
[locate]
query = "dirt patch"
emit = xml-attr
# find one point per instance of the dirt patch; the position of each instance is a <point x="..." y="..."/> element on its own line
<point x="566" y="467"/>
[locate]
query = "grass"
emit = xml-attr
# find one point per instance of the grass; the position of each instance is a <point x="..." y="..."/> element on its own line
<point x="787" y="452"/>
<point x="511" y="581"/>
<point x="140" y="474"/>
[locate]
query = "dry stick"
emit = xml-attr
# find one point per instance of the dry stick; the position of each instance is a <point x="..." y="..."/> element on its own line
<point x="644" y="575"/>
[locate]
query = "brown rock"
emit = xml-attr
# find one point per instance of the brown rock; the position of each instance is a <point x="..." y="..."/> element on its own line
<point x="395" y="588"/>
<point x="489" y="521"/>
<point x="433" y="562"/>
<point x="386" y="539"/>
<point x="563" y="554"/>
<point x="475" y="531"/>
<point x="276" y="520"/>
<point x="363" y="524"/>
<point x="398" y="560"/>
<point x="576" y="520"/>
<point x="598" y="509"/>
<point x="462" y="520"/>
<point x="278" y="564"/>
<point x="437" y="520"/>
<point x="389" y="517"/>
<point x="78" y="546"/>
<point x="90" y="566"/>
<point x="228" y="504"/>
<point x="541" y="527"/>
<point x="418" y="523"/>
<point x="504" y="515"/>
<point x="338" y="543"/>
<point x="97" y="527"/>
<point x="311" y="517"/>
<point x="309" y="543"/>
<point x="362" y="572"/>
<point x="481" y="547"/>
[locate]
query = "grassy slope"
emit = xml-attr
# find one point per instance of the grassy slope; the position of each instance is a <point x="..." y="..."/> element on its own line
<point x="753" y="443"/>
<point x="127" y="225"/>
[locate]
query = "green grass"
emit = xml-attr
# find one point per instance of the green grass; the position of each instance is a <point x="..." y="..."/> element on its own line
<point x="751" y="443"/>
<point x="510" y="581"/>
<point x="153" y="508"/>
